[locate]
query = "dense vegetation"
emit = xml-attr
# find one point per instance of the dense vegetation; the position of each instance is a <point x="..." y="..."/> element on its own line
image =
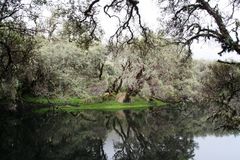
<point x="63" y="57"/>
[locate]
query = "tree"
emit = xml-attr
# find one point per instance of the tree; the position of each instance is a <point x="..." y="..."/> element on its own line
<point x="155" y="69"/>
<point x="188" y="22"/>
<point x="221" y="89"/>
<point x="185" y="24"/>
<point x="9" y="9"/>
<point x="82" y="16"/>
<point x="16" y="51"/>
<point x="17" y="46"/>
<point x="60" y="68"/>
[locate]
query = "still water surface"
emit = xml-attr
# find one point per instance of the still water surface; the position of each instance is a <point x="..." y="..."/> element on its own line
<point x="166" y="134"/>
<point x="219" y="148"/>
<point x="208" y="147"/>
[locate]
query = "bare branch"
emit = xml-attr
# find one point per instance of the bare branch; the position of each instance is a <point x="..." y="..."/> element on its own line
<point x="125" y="32"/>
<point x="186" y="24"/>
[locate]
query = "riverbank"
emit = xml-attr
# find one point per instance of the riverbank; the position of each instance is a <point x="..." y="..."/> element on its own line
<point x="43" y="104"/>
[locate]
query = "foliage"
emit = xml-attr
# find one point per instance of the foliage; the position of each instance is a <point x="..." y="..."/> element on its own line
<point x="201" y="19"/>
<point x="62" y="69"/>
<point x="159" y="68"/>
<point x="222" y="83"/>
<point x="221" y="88"/>
<point x="62" y="56"/>
<point x="16" y="51"/>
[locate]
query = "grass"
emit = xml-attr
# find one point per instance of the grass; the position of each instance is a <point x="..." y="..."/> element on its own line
<point x="77" y="105"/>
<point x="54" y="101"/>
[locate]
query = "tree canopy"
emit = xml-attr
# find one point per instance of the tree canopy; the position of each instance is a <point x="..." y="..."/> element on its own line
<point x="63" y="54"/>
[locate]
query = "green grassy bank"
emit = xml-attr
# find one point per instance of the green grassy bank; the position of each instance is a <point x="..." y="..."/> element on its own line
<point x="77" y="104"/>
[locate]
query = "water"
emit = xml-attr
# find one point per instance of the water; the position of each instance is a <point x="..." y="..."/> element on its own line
<point x="166" y="134"/>
<point x="208" y="147"/>
<point x="220" y="148"/>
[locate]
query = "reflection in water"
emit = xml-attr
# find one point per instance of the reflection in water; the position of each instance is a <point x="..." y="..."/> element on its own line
<point x="213" y="147"/>
<point x="166" y="134"/>
<point x="142" y="138"/>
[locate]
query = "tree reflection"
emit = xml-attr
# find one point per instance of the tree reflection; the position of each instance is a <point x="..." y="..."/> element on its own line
<point x="142" y="138"/>
<point x="51" y="136"/>
<point x="164" y="134"/>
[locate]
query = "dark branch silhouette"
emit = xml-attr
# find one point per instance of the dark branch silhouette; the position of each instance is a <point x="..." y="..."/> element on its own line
<point x="125" y="31"/>
<point x="186" y="25"/>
